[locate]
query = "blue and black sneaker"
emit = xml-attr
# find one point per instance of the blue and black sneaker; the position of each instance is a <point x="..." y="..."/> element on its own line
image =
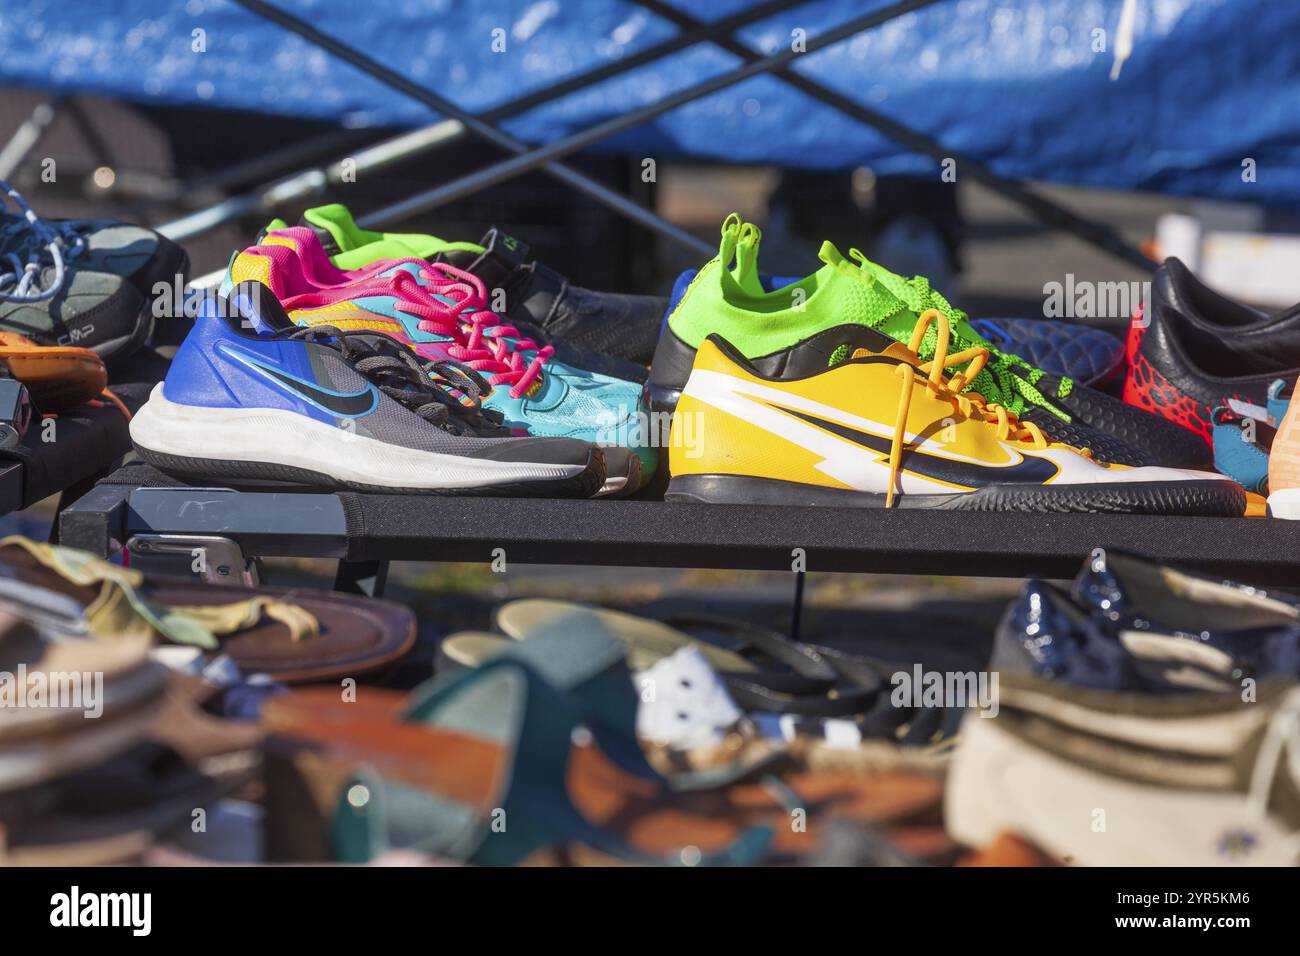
<point x="332" y="408"/>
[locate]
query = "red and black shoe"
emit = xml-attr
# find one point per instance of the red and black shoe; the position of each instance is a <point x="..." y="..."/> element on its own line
<point x="1198" y="349"/>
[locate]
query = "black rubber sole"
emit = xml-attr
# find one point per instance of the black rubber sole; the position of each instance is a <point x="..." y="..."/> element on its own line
<point x="1204" y="498"/>
<point x="258" y="474"/>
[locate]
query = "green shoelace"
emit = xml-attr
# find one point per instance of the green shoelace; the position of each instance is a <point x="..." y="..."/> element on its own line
<point x="1008" y="380"/>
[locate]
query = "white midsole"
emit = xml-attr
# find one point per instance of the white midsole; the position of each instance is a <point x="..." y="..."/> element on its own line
<point x="277" y="437"/>
<point x="1000" y="783"/>
<point x="1284" y="504"/>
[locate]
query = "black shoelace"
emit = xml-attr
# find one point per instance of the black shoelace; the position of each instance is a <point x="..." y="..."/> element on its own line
<point x="427" y="388"/>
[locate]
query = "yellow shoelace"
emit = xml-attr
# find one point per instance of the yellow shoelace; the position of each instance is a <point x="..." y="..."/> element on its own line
<point x="970" y="405"/>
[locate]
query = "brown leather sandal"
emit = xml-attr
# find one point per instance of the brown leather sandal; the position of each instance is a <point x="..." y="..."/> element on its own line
<point x="294" y="635"/>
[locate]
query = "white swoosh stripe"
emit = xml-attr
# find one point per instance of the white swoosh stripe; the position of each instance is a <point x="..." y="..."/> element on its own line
<point x="855" y="466"/>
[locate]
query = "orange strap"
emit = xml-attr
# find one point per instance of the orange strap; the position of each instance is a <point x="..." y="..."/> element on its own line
<point x="118" y="402"/>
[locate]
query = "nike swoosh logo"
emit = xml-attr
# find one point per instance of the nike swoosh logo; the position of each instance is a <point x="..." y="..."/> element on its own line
<point x="342" y="404"/>
<point x="1029" y="471"/>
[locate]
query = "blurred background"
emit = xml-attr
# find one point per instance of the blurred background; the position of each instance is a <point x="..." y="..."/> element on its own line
<point x="1145" y="127"/>
<point x="1126" y="112"/>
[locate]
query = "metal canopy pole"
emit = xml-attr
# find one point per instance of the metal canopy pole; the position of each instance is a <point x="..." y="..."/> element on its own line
<point x="310" y="182"/>
<point x="1045" y="210"/>
<point x="27" y="136"/>
<point x="566" y="174"/>
<point x="698" y="32"/>
<point x="445" y="132"/>
<point x="541" y="156"/>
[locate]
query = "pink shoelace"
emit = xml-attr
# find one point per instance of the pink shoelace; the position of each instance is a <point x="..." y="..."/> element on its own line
<point x="468" y="322"/>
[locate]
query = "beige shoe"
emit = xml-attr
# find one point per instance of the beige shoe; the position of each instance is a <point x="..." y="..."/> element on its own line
<point x="1110" y="779"/>
<point x="1284" y="467"/>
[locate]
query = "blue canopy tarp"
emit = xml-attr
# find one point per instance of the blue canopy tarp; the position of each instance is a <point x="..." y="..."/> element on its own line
<point x="1023" y="85"/>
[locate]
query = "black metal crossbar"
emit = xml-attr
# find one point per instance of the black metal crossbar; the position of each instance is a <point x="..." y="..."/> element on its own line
<point x="382" y="527"/>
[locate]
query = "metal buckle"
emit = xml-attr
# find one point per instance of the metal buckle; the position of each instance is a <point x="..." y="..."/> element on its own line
<point x="211" y="558"/>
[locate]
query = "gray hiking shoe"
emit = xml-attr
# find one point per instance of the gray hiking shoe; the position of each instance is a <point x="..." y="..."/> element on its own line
<point x="54" y="287"/>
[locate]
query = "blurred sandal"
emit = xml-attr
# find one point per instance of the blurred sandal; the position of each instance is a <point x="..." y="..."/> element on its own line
<point x="87" y="792"/>
<point x="48" y="689"/>
<point x="113" y="812"/>
<point x="769" y="672"/>
<point x="439" y="773"/>
<point x="293" y="635"/>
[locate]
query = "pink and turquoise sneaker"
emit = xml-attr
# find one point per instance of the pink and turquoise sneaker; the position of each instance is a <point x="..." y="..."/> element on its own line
<point x="441" y="312"/>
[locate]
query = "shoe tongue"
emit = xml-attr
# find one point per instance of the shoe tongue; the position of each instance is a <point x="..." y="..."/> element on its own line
<point x="505" y="247"/>
<point x="885" y="303"/>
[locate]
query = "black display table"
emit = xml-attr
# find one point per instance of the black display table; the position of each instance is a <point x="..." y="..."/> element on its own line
<point x="139" y="504"/>
<point x="89" y="442"/>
